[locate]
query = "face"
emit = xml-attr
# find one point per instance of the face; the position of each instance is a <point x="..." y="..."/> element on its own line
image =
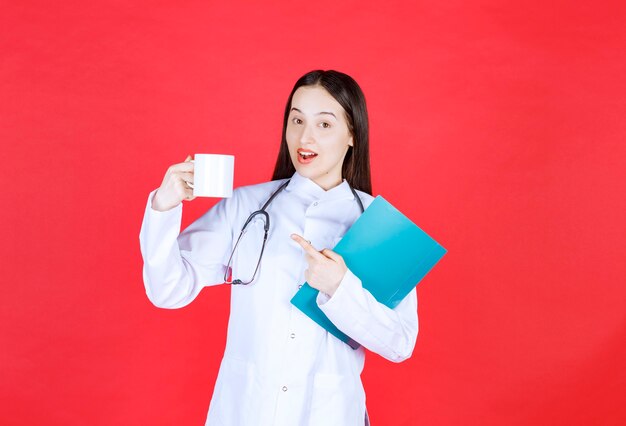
<point x="318" y="136"/>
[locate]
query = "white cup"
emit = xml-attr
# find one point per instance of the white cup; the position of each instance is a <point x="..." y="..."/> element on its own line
<point x="213" y="175"/>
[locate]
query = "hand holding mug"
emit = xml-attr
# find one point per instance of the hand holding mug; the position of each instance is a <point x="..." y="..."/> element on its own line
<point x="177" y="186"/>
<point x="208" y="175"/>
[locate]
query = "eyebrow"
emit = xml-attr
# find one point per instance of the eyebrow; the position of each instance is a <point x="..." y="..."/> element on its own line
<point x="319" y="113"/>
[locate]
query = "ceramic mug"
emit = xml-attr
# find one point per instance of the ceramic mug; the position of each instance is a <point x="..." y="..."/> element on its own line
<point x="213" y="175"/>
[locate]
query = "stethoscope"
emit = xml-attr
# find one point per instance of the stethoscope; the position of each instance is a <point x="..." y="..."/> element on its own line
<point x="266" y="218"/>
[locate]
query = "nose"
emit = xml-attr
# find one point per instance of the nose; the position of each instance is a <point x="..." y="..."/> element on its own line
<point x="307" y="135"/>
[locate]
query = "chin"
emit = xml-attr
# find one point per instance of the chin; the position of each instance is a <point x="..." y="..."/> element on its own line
<point x="300" y="168"/>
<point x="306" y="172"/>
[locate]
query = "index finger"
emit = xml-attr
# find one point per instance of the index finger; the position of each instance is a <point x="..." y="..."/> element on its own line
<point x="306" y="245"/>
<point x="185" y="166"/>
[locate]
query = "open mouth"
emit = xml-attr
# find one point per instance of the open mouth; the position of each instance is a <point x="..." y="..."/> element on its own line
<point x="305" y="156"/>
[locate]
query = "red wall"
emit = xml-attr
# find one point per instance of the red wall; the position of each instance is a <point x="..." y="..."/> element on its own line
<point x="498" y="126"/>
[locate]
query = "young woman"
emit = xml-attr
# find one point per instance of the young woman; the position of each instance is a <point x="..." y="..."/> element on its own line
<point x="280" y="367"/>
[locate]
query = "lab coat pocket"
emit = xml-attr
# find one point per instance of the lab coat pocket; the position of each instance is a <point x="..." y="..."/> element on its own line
<point x="236" y="401"/>
<point x="334" y="401"/>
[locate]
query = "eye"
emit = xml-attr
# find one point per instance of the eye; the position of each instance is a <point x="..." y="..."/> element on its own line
<point x="296" y="120"/>
<point x="325" y="125"/>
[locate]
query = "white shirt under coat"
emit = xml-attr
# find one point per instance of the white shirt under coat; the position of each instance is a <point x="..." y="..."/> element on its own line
<point x="279" y="368"/>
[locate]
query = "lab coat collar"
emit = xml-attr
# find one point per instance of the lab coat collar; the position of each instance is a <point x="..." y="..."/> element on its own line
<point x="303" y="185"/>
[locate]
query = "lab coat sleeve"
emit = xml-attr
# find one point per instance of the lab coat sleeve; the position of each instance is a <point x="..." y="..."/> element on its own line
<point x="177" y="265"/>
<point x="388" y="332"/>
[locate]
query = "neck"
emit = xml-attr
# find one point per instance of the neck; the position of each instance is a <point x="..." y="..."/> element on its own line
<point x="328" y="182"/>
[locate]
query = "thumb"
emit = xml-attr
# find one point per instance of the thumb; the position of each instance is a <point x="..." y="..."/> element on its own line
<point x="189" y="158"/>
<point x="332" y="255"/>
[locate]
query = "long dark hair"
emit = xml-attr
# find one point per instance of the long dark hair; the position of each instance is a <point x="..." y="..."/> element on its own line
<point x="346" y="91"/>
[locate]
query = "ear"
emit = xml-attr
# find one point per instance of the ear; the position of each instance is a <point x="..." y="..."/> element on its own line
<point x="351" y="141"/>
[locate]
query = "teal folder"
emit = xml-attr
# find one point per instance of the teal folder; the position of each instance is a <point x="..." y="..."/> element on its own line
<point x="388" y="252"/>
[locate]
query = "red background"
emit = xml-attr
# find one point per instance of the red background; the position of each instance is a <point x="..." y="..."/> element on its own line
<point x="498" y="126"/>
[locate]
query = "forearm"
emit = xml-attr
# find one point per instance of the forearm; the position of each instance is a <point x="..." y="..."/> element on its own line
<point x="390" y="333"/>
<point x="167" y="281"/>
<point x="175" y="266"/>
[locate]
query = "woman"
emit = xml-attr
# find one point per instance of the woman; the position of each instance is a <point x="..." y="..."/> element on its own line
<point x="279" y="367"/>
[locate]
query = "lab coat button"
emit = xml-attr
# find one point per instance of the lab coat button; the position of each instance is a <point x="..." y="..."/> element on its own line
<point x="315" y="204"/>
<point x="293" y="335"/>
<point x="299" y="286"/>
<point x="284" y="388"/>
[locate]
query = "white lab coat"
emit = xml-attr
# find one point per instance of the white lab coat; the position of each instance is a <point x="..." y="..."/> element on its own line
<point x="279" y="367"/>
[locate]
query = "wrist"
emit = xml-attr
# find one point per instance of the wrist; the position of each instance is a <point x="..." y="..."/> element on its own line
<point x="157" y="203"/>
<point x="333" y="287"/>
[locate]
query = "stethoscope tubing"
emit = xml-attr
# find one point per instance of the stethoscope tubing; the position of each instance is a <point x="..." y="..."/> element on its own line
<point x="262" y="211"/>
